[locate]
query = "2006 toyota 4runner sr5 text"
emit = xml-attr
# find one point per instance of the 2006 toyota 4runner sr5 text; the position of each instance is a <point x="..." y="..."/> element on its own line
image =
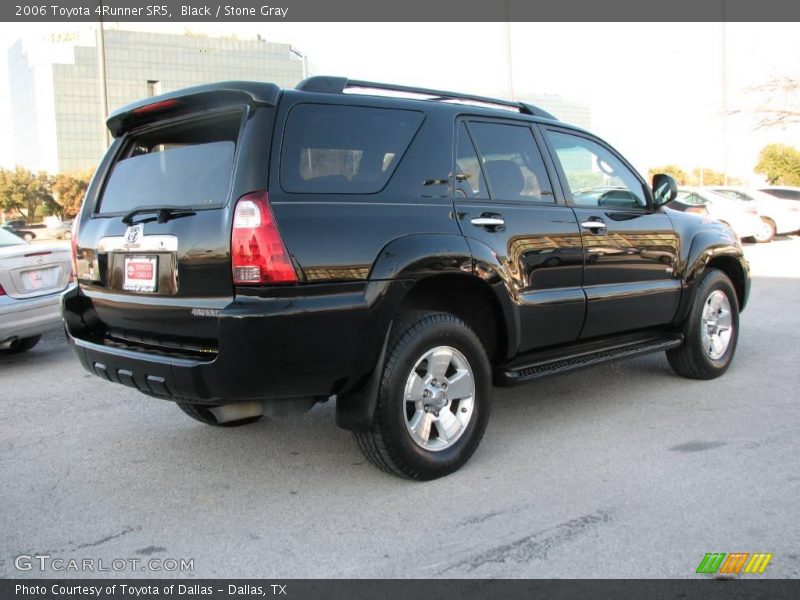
<point x="245" y="250"/>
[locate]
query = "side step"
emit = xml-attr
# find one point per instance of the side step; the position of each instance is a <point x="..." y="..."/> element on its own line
<point x="586" y="354"/>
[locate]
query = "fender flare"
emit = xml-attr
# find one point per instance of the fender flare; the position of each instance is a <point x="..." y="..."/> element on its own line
<point x="704" y="247"/>
<point x="399" y="265"/>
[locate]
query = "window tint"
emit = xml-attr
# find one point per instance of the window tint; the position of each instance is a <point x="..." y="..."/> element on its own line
<point x="512" y="162"/>
<point x="595" y="176"/>
<point x="344" y="149"/>
<point x="470" y="182"/>
<point x="184" y="165"/>
<point x="783" y="194"/>
<point x="688" y="198"/>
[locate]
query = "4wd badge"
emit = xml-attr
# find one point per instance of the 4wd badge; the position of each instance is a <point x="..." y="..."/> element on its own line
<point x="133" y="233"/>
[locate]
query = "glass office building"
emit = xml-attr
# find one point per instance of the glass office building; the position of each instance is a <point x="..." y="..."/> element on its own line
<point x="55" y="93"/>
<point x="570" y="111"/>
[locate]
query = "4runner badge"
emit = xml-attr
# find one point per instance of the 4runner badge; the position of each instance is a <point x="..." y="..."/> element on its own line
<point x="133" y="233"/>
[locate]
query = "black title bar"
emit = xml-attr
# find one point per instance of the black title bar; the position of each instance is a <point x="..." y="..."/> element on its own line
<point x="399" y="10"/>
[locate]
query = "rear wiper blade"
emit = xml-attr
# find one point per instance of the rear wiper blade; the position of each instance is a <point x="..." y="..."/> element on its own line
<point x="163" y="214"/>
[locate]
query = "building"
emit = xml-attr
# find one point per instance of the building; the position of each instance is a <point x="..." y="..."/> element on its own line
<point x="569" y="111"/>
<point x="55" y="93"/>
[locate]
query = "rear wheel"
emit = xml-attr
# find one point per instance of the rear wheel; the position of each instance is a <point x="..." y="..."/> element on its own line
<point x="23" y="345"/>
<point x="767" y="231"/>
<point x="434" y="398"/>
<point x="710" y="332"/>
<point x="28" y="237"/>
<point x="202" y="414"/>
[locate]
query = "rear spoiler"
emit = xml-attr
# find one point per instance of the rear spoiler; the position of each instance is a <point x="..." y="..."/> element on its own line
<point x="191" y="99"/>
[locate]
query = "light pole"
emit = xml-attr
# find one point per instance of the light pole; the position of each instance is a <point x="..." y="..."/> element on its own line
<point x="101" y="73"/>
<point x="724" y="99"/>
<point x="509" y="65"/>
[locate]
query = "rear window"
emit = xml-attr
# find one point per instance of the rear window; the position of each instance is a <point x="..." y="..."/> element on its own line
<point x="344" y="149"/>
<point x="9" y="239"/>
<point x="186" y="165"/>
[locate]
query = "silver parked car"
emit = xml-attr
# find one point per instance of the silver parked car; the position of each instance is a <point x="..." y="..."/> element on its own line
<point x="778" y="215"/>
<point x="32" y="278"/>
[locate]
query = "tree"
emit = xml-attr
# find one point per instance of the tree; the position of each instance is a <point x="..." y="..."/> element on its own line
<point x="678" y="174"/>
<point x="69" y="190"/>
<point x="778" y="104"/>
<point x="23" y="191"/>
<point x="780" y="164"/>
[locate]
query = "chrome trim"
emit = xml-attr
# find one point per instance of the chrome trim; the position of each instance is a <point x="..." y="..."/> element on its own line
<point x="146" y="243"/>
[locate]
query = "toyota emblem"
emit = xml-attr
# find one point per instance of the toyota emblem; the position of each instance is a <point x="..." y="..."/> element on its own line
<point x="133" y="233"/>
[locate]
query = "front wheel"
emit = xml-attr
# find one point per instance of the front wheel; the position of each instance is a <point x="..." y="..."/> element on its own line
<point x="711" y="330"/>
<point x="434" y="398"/>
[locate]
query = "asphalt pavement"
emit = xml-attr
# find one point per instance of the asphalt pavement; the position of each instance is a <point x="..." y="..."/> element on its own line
<point x="622" y="470"/>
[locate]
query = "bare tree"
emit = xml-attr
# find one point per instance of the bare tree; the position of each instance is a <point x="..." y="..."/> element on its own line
<point x="777" y="102"/>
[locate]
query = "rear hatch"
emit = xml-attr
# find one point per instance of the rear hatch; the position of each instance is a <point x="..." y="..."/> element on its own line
<point x="153" y="241"/>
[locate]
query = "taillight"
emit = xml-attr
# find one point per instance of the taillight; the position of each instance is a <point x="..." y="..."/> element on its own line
<point x="698" y="210"/>
<point x="751" y="211"/>
<point x="73" y="244"/>
<point x="258" y="255"/>
<point x="2" y="291"/>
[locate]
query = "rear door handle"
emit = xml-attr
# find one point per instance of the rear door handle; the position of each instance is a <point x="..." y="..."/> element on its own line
<point x="488" y="221"/>
<point x="593" y="225"/>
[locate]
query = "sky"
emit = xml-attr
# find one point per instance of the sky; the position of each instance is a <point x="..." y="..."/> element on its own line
<point x="655" y="89"/>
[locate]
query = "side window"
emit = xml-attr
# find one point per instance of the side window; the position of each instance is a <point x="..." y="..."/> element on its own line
<point x="512" y="162"/>
<point x="470" y="182"/>
<point x="338" y="149"/>
<point x="595" y="176"/>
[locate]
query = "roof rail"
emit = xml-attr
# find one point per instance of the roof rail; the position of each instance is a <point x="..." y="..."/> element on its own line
<point x="337" y="85"/>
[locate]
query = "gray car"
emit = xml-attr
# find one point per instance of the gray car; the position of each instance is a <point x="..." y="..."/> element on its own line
<point x="32" y="278"/>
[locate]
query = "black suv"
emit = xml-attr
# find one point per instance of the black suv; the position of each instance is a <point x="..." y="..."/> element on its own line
<point x="246" y="250"/>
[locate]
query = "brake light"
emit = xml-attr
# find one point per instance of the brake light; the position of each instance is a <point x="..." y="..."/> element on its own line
<point x="73" y="245"/>
<point x="2" y="291"/>
<point x="258" y="255"/>
<point x="155" y="106"/>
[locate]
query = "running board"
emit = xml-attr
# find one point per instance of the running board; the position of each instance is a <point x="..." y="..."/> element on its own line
<point x="587" y="354"/>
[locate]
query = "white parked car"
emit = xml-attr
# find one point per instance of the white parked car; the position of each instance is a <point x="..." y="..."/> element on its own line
<point x="32" y="278"/>
<point x="778" y="215"/>
<point x="743" y="219"/>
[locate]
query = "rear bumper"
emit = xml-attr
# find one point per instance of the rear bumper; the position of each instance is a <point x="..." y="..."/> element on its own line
<point x="21" y="318"/>
<point x="269" y="348"/>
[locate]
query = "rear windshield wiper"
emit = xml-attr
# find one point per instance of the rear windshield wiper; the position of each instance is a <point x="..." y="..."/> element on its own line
<point x="163" y="214"/>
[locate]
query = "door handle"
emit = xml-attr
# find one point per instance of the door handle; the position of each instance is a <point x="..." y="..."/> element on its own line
<point x="488" y="221"/>
<point x="593" y="225"/>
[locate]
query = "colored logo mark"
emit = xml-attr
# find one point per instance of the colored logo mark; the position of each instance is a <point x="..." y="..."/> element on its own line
<point x="735" y="562"/>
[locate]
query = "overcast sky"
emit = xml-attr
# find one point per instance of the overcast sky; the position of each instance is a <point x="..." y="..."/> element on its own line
<point x="655" y="89"/>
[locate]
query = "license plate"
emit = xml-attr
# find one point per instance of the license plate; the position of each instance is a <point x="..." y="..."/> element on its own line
<point x="140" y="273"/>
<point x="39" y="279"/>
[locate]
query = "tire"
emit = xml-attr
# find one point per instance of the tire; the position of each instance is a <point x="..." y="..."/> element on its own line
<point x="23" y="345"/>
<point x="700" y="357"/>
<point x="202" y="414"/>
<point x="422" y="345"/>
<point x="767" y="234"/>
<point x="28" y="237"/>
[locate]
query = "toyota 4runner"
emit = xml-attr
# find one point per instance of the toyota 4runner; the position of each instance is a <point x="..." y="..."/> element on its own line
<point x="245" y="250"/>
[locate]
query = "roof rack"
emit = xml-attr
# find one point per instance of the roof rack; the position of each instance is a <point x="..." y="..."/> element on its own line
<point x="337" y="85"/>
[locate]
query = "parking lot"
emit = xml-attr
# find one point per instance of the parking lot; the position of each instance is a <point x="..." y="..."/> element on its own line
<point x="623" y="470"/>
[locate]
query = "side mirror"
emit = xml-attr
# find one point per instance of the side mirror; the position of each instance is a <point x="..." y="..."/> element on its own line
<point x="665" y="189"/>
